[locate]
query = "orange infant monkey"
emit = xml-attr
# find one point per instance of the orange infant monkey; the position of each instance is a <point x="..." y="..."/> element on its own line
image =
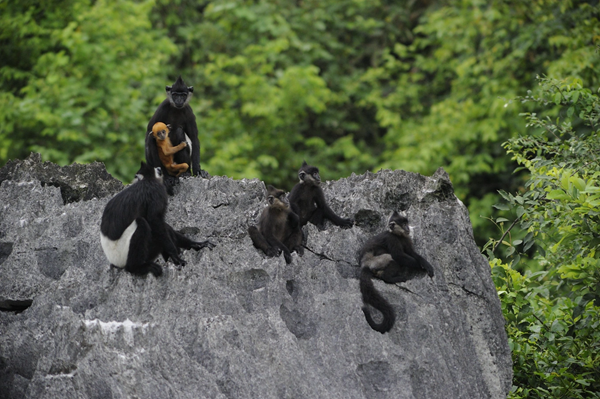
<point x="160" y="131"/>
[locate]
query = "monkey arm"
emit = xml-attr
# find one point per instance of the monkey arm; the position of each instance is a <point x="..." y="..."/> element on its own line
<point x="161" y="235"/>
<point x="293" y="219"/>
<point x="259" y="241"/>
<point x="404" y="259"/>
<point x="328" y="213"/>
<point x="274" y="242"/>
<point x="425" y="265"/>
<point x="170" y="150"/>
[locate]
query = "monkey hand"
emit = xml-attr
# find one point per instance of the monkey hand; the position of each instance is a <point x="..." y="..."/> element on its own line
<point x="347" y="223"/>
<point x="204" y="244"/>
<point x="273" y="251"/>
<point x="177" y="260"/>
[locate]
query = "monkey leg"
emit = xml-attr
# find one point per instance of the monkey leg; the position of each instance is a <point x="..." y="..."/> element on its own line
<point x="260" y="242"/>
<point x="181" y="241"/>
<point x="274" y="242"/>
<point x="142" y="252"/>
<point x="318" y="219"/>
<point x="294" y="242"/>
<point x="179" y="168"/>
<point x="393" y="273"/>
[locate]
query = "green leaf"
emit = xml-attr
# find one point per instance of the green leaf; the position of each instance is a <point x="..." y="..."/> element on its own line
<point x="557" y="98"/>
<point x="557" y="195"/>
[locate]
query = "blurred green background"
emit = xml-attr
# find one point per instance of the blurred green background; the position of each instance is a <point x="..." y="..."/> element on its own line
<point x="349" y="86"/>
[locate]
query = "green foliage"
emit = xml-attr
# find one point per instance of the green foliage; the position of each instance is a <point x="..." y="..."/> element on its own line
<point x="553" y="315"/>
<point x="81" y="77"/>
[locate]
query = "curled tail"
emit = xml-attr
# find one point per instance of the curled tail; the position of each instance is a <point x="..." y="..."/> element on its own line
<point x="372" y="297"/>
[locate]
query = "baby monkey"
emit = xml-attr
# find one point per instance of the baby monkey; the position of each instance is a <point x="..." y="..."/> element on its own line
<point x="166" y="150"/>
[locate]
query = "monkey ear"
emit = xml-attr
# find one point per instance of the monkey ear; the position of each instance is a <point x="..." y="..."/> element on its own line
<point x="168" y="89"/>
<point x="191" y="89"/>
<point x="304" y="163"/>
<point x="169" y="126"/>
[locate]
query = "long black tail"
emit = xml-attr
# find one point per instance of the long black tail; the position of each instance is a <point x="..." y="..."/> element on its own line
<point x="372" y="297"/>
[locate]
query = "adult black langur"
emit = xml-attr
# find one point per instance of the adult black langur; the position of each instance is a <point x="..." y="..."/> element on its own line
<point x="278" y="229"/>
<point x="308" y="200"/>
<point x="133" y="231"/>
<point x="387" y="256"/>
<point x="176" y="112"/>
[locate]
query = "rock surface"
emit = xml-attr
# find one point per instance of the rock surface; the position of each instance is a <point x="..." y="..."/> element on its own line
<point x="233" y="323"/>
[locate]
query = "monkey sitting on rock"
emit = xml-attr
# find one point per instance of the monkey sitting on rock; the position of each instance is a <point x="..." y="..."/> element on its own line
<point x="388" y="256"/>
<point x="308" y="200"/>
<point x="133" y="231"/>
<point x="278" y="228"/>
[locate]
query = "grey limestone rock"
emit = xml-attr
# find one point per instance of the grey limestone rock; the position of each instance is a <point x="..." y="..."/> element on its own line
<point x="233" y="323"/>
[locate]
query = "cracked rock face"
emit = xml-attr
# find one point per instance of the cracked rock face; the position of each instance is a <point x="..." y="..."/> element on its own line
<point x="233" y="323"/>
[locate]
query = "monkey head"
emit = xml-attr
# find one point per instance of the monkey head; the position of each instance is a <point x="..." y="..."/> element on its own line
<point x="160" y="131"/>
<point x="309" y="175"/>
<point x="179" y="94"/>
<point x="277" y="198"/>
<point x="148" y="172"/>
<point x="398" y="224"/>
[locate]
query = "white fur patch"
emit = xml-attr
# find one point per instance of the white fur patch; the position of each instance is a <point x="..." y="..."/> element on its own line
<point x="189" y="145"/>
<point x="376" y="262"/>
<point x="117" y="251"/>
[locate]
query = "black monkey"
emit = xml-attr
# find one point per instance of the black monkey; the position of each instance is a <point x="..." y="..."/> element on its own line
<point x="388" y="256"/>
<point x="278" y="229"/>
<point x="176" y="112"/>
<point x="308" y="200"/>
<point x="133" y="228"/>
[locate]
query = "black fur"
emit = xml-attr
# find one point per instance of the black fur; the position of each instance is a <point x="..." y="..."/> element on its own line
<point x="388" y="257"/>
<point x="308" y="200"/>
<point x="278" y="229"/>
<point x="145" y="202"/>
<point x="176" y="111"/>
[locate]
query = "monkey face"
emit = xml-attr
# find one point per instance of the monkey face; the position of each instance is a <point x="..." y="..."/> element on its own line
<point x="280" y="201"/>
<point x="160" y="131"/>
<point x="398" y="225"/>
<point x="179" y="95"/>
<point x="179" y="100"/>
<point x="160" y="135"/>
<point x="309" y="176"/>
<point x="277" y="198"/>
